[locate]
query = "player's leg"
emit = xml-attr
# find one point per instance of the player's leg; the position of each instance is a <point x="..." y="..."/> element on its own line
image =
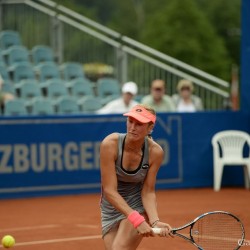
<point x="109" y="239"/>
<point x="126" y="237"/>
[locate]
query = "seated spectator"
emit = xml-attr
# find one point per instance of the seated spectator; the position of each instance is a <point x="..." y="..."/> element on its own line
<point x="124" y="103"/>
<point x="185" y="101"/>
<point x="4" y="96"/>
<point x="158" y="100"/>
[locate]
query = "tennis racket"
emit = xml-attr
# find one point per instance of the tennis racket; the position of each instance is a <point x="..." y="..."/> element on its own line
<point x="217" y="230"/>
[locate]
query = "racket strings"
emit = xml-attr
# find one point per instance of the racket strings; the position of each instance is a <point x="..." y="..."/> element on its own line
<point x="218" y="232"/>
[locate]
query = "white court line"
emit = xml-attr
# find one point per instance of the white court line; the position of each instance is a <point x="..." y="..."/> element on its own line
<point x="87" y="226"/>
<point x="29" y="228"/>
<point x="38" y="242"/>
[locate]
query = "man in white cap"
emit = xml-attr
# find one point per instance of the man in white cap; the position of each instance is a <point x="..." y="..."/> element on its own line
<point x="123" y="104"/>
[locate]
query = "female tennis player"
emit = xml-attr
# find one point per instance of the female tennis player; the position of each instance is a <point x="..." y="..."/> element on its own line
<point x="129" y="165"/>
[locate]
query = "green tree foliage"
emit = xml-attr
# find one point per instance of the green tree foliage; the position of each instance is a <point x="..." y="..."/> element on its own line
<point x="81" y="7"/>
<point x="202" y="33"/>
<point x="124" y="19"/>
<point x="225" y="16"/>
<point x="182" y="31"/>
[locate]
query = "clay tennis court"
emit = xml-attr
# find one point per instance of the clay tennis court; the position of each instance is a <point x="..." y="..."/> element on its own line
<point x="73" y="222"/>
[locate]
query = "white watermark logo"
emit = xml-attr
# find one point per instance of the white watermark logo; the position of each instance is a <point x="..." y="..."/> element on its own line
<point x="244" y="243"/>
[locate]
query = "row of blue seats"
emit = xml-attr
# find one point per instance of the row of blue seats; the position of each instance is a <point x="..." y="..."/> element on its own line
<point x="43" y="71"/>
<point x="17" y="62"/>
<point x="35" y="74"/>
<point x="19" y="53"/>
<point x="12" y="50"/>
<point x="44" y="106"/>
<point x="105" y="88"/>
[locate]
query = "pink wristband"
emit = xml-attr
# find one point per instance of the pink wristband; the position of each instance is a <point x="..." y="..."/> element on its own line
<point x="135" y="218"/>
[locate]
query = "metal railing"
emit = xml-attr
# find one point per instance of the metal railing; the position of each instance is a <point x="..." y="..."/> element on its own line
<point x="77" y="38"/>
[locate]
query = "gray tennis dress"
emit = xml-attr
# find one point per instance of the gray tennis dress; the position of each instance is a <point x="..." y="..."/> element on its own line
<point x="129" y="187"/>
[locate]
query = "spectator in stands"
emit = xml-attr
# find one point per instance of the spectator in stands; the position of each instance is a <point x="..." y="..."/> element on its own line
<point x="4" y="96"/>
<point x="158" y="100"/>
<point x="129" y="164"/>
<point x="124" y="103"/>
<point x="185" y="100"/>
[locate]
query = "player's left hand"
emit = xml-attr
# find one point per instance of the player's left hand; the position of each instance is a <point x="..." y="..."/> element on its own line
<point x="165" y="229"/>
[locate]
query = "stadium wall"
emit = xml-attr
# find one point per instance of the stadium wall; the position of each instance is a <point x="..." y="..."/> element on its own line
<point x="245" y="56"/>
<point x="60" y="154"/>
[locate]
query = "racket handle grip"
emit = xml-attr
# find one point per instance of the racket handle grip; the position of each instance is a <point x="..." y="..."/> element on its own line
<point x="156" y="230"/>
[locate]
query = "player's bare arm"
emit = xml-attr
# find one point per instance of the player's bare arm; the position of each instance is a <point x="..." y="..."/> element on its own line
<point x="148" y="191"/>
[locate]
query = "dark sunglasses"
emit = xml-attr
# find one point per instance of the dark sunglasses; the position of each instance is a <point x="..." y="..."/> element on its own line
<point x="185" y="88"/>
<point x="157" y="89"/>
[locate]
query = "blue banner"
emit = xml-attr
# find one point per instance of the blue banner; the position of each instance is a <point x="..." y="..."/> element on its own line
<point x="60" y="155"/>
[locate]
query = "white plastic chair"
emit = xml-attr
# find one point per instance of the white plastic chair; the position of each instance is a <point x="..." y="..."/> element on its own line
<point x="228" y="150"/>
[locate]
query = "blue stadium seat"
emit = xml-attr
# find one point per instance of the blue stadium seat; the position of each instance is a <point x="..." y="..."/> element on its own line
<point x="22" y="71"/>
<point x="44" y="85"/>
<point x="108" y="89"/>
<point x="29" y="90"/>
<point x="47" y="70"/>
<point x="56" y="90"/>
<point x="16" y="54"/>
<point x="17" y="85"/>
<point x="42" y="53"/>
<point x="71" y="70"/>
<point x="42" y="106"/>
<point x="81" y="87"/>
<point x="4" y="73"/>
<point x="15" y="107"/>
<point x="90" y="104"/>
<point x="9" y="38"/>
<point x="67" y="105"/>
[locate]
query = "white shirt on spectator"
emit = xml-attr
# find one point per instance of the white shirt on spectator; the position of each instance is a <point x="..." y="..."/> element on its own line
<point x="186" y="107"/>
<point x="117" y="106"/>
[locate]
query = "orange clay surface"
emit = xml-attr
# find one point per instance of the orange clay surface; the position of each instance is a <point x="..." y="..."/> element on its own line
<point x="73" y="222"/>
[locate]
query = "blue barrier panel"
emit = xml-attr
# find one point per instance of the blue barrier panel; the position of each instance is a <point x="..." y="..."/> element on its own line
<point x="60" y="155"/>
<point x="245" y="57"/>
